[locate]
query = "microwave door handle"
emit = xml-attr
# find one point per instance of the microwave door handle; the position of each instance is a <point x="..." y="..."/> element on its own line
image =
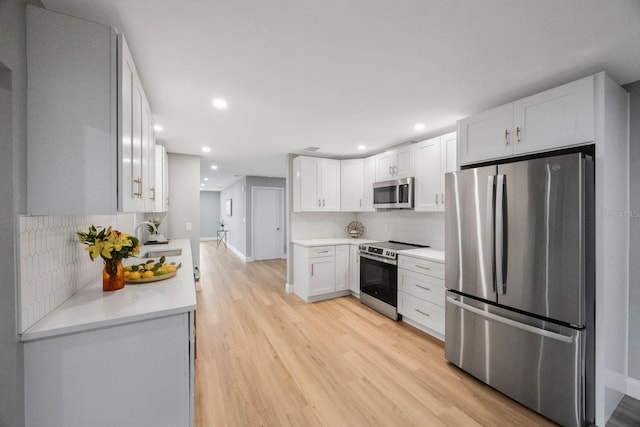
<point x="491" y="191"/>
<point x="501" y="232"/>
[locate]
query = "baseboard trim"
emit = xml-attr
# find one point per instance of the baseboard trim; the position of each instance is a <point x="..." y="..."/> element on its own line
<point x="633" y="388"/>
<point x="235" y="251"/>
<point x="288" y="288"/>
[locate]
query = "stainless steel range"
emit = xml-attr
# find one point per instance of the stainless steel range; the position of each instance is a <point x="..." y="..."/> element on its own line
<point x="379" y="275"/>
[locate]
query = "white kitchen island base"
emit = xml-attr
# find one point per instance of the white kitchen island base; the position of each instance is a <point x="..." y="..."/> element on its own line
<point x="134" y="374"/>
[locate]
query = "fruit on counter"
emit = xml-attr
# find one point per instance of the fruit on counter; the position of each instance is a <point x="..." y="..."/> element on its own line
<point x="150" y="268"/>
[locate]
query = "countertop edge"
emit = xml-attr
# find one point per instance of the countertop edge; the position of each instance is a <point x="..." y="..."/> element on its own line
<point x="435" y="255"/>
<point x="87" y="309"/>
<point x="330" y="241"/>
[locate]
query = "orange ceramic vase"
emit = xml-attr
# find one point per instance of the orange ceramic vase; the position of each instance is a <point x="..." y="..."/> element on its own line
<point x="112" y="275"/>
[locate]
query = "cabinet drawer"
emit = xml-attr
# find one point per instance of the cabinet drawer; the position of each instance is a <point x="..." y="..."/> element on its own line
<point x="322" y="251"/>
<point x="422" y="312"/>
<point x="422" y="286"/>
<point x="422" y="266"/>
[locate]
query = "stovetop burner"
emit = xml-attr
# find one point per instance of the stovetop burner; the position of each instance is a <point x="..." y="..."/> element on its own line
<point x="387" y="249"/>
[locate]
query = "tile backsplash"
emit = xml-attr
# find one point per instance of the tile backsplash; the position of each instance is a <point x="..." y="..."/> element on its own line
<point x="53" y="264"/>
<point x="423" y="228"/>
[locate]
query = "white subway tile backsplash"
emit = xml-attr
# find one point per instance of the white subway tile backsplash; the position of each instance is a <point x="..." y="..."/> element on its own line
<point x="53" y="264"/>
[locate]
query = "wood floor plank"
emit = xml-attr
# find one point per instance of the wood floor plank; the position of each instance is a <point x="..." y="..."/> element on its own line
<point x="267" y="358"/>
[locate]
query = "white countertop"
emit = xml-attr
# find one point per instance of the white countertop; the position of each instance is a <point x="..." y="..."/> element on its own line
<point x="331" y="241"/>
<point x="91" y="308"/>
<point x="425" y="253"/>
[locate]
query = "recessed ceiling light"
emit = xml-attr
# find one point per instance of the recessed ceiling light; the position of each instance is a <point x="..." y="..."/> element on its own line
<point x="206" y="149"/>
<point x="419" y="126"/>
<point x="214" y="167"/>
<point x="157" y="128"/>
<point x="220" y="103"/>
<point x="206" y="179"/>
<point x="361" y="147"/>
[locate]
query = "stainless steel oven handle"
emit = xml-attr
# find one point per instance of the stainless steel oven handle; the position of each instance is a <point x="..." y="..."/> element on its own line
<point x="375" y="258"/>
<point x="542" y="332"/>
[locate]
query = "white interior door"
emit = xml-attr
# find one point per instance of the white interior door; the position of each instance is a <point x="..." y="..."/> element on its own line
<point x="267" y="223"/>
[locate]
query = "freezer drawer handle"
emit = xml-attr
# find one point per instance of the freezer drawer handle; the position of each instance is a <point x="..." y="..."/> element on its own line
<point x="553" y="335"/>
<point x="422" y="312"/>
<point x="423" y="287"/>
<point x="422" y="267"/>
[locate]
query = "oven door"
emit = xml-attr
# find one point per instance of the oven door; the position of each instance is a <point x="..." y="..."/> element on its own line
<point x="379" y="278"/>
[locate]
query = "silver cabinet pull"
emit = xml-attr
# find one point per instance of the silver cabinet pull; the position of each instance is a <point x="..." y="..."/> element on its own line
<point x="312" y="269"/>
<point x="319" y="203"/>
<point x="506" y="137"/>
<point x="436" y="198"/>
<point x="152" y="190"/>
<point x="138" y="182"/>
<point x="322" y="252"/>
<point x="422" y="312"/>
<point x="323" y="203"/>
<point x="423" y="287"/>
<point x="442" y="198"/>
<point x="422" y="267"/>
<point x="518" y="140"/>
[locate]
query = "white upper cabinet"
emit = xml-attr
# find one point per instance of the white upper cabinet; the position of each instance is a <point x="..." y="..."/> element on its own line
<point x="369" y="178"/>
<point x="316" y="185"/>
<point x="393" y="164"/>
<point x="352" y="185"/>
<point x="136" y="177"/>
<point x="161" y="201"/>
<point x="87" y="119"/>
<point x="71" y="115"/>
<point x="434" y="158"/>
<point x="556" y="118"/>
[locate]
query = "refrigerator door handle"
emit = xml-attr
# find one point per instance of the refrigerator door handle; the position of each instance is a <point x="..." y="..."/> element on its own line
<point x="491" y="192"/>
<point x="523" y="326"/>
<point x="500" y="234"/>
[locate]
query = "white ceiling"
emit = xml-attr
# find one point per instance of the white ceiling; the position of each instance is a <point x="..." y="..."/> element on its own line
<point x="338" y="73"/>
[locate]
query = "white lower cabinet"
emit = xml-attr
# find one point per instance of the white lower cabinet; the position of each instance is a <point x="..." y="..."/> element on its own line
<point x="133" y="374"/>
<point x="421" y="294"/>
<point x="354" y="260"/>
<point x="322" y="272"/>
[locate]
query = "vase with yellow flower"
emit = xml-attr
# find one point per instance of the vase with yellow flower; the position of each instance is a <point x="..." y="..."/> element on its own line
<point x="112" y="246"/>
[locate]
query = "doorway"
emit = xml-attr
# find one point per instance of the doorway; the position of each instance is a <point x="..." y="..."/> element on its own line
<point x="267" y="219"/>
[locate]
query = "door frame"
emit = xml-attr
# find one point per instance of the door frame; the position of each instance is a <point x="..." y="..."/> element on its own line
<point x="281" y="252"/>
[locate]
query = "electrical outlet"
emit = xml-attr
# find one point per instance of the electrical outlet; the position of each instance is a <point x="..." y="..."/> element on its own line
<point x="188" y="226"/>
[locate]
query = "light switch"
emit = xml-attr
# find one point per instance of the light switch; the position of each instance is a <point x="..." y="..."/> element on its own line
<point x="189" y="226"/>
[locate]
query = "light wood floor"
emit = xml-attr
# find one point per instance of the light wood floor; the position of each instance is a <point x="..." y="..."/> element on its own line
<point x="266" y="358"/>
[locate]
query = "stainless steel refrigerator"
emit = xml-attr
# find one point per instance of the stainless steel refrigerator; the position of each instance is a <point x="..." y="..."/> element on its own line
<point x="519" y="277"/>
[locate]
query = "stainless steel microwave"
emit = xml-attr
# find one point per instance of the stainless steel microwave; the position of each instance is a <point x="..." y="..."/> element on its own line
<point x="396" y="194"/>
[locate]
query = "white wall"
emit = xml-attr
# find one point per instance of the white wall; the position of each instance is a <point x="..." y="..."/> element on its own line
<point x="634" y="242"/>
<point x="13" y="160"/>
<point x="236" y="223"/>
<point x="209" y="213"/>
<point x="184" y="201"/>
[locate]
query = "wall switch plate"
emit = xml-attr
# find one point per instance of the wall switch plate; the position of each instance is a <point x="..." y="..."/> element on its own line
<point x="188" y="226"/>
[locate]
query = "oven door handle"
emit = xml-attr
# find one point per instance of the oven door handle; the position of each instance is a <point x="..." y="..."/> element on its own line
<point x="375" y="258"/>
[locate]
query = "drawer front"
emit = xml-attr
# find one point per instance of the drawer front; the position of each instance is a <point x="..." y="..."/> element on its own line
<point x="322" y="251"/>
<point x="422" y="266"/>
<point x="422" y="286"/>
<point x="422" y="312"/>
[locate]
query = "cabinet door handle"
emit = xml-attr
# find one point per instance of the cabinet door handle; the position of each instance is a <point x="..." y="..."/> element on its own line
<point x="319" y="203"/>
<point x="153" y="193"/>
<point x="312" y="269"/>
<point x="436" y="198"/>
<point x="360" y="202"/>
<point x="506" y="137"/>
<point x="422" y="312"/>
<point x="138" y="182"/>
<point x="422" y="267"/>
<point x="518" y="140"/>
<point x="395" y="170"/>
<point x="323" y="204"/>
<point x="423" y="287"/>
<point x="390" y="170"/>
<point x="442" y="198"/>
<point x="322" y="252"/>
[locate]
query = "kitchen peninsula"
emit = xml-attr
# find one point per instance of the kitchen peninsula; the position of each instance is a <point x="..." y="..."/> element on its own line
<point x="124" y="357"/>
